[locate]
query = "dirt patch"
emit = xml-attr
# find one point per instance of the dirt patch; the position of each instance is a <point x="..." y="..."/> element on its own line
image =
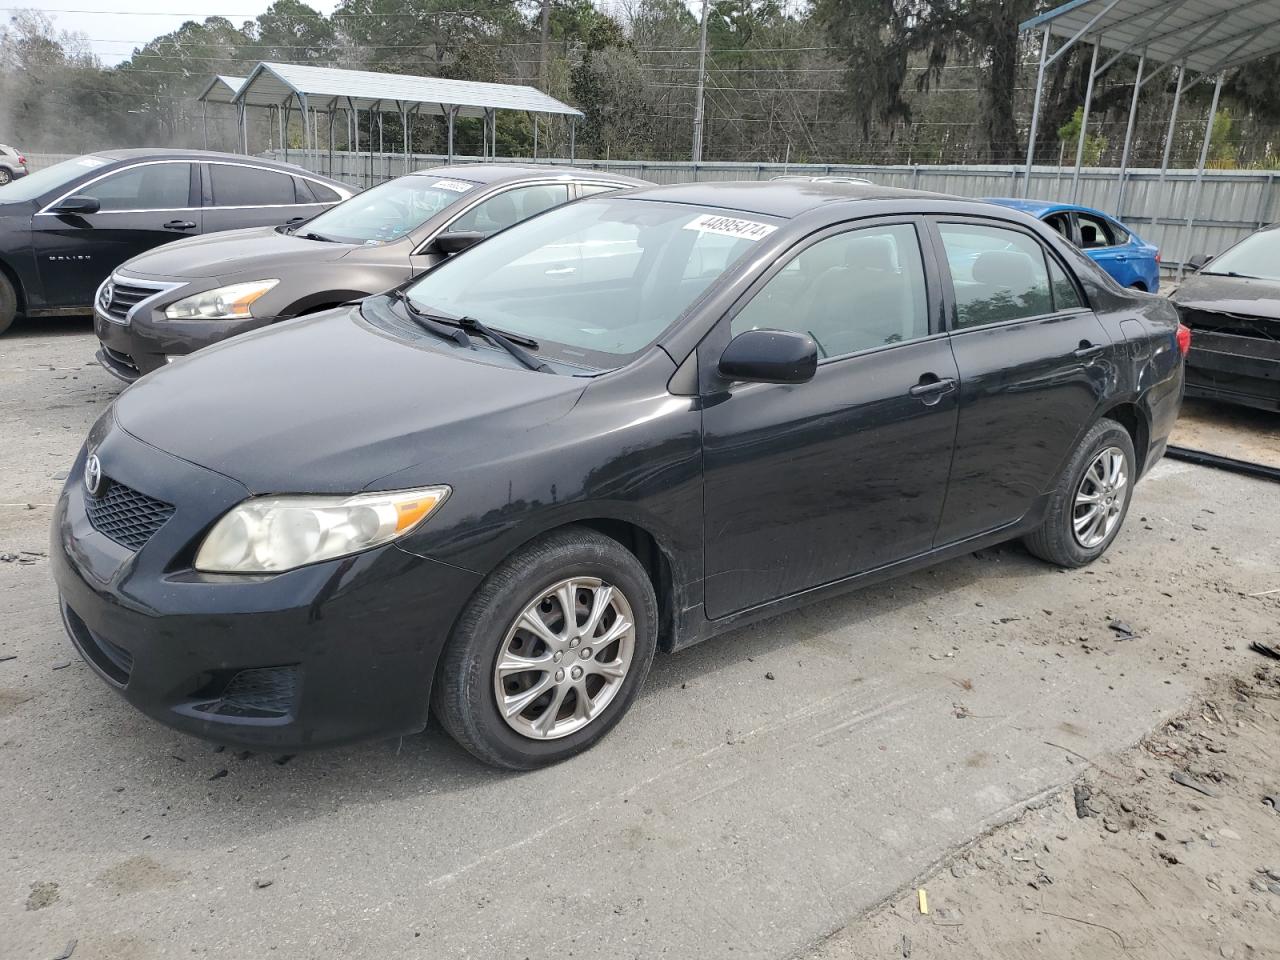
<point x="139" y="873"/>
<point x="1177" y="854"/>
<point x="44" y="893"/>
<point x="1229" y="431"/>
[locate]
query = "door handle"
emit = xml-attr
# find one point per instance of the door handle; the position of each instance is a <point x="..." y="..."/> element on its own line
<point x="930" y="389"/>
<point x="180" y="225"/>
<point x="1087" y="350"/>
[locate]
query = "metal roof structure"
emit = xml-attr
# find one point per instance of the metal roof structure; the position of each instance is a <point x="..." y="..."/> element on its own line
<point x="1205" y="36"/>
<point x="286" y="87"/>
<point x="221" y="89"/>
<point x="271" y="84"/>
<point x="1201" y="39"/>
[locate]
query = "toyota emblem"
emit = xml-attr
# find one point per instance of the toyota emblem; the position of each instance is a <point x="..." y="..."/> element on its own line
<point x="93" y="475"/>
<point x="108" y="291"/>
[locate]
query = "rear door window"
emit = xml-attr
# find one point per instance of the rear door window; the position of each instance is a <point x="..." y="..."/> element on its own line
<point x="1095" y="232"/>
<point x="997" y="274"/>
<point x="233" y="185"/>
<point x="149" y="186"/>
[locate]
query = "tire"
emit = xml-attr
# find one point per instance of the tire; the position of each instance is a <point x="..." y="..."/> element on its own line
<point x="466" y="697"/>
<point x="1057" y="541"/>
<point x="8" y="303"/>
<point x="5" y="176"/>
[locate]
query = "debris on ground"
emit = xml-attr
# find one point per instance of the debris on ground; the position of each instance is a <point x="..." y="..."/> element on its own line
<point x="220" y="774"/>
<point x="1122" y="630"/>
<point x="67" y="951"/>
<point x="1265" y="649"/>
<point x="1132" y="867"/>
<point x="263" y="883"/>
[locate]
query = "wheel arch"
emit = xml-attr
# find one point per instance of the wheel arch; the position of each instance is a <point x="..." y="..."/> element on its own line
<point x="1135" y="421"/>
<point x="11" y="274"/>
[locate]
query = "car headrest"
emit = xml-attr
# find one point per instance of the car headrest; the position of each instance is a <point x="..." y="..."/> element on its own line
<point x="1010" y="269"/>
<point x="871" y="253"/>
<point x="502" y="209"/>
<point x="1088" y="234"/>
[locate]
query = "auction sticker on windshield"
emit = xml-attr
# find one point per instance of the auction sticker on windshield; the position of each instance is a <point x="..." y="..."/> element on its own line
<point x="730" y="227"/>
<point x="457" y="186"/>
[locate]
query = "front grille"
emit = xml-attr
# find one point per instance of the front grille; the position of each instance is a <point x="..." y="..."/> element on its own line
<point x="124" y="298"/>
<point x="126" y="516"/>
<point x="112" y="659"/>
<point x="265" y="693"/>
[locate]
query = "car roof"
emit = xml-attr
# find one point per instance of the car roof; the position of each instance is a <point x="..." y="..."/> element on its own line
<point x="778" y="198"/>
<point x="499" y="172"/>
<point x="161" y="153"/>
<point x="1041" y="208"/>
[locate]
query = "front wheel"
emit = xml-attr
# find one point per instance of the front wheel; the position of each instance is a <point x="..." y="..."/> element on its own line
<point x="549" y="653"/>
<point x="1092" y="498"/>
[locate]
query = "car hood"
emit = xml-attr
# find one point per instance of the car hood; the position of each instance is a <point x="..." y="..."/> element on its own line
<point x="329" y="404"/>
<point x="1236" y="295"/>
<point x="259" y="249"/>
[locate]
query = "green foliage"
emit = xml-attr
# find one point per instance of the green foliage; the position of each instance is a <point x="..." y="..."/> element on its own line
<point x="1094" y="144"/>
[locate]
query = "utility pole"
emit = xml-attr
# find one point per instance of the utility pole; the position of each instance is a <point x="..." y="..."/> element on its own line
<point x="546" y="40"/>
<point x="698" y="117"/>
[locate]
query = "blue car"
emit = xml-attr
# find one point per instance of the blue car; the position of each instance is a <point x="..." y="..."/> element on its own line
<point x="1130" y="260"/>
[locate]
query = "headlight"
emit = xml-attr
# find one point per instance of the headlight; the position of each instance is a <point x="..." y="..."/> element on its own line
<point x="270" y="534"/>
<point x="224" y="303"/>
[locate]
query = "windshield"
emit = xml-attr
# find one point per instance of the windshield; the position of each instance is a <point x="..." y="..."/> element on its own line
<point x="596" y="281"/>
<point x="1255" y="256"/>
<point x="50" y="178"/>
<point x="388" y="211"/>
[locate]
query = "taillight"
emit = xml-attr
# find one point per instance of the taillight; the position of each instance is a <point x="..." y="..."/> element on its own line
<point x="1184" y="338"/>
<point x="22" y="160"/>
<point x="1157" y="256"/>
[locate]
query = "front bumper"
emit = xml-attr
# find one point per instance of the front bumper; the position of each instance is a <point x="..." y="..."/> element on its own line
<point x="146" y="339"/>
<point x="333" y="653"/>
<point x="1234" y="368"/>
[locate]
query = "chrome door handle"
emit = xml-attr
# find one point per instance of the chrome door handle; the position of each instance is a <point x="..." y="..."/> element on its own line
<point x="180" y="225"/>
<point x="1087" y="349"/>
<point x="931" y="390"/>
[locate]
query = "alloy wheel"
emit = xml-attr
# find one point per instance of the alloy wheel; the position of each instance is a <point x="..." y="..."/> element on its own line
<point x="1100" y="498"/>
<point x="564" y="659"/>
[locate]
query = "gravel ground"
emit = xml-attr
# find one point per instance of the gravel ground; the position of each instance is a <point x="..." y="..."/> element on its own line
<point x="730" y="815"/>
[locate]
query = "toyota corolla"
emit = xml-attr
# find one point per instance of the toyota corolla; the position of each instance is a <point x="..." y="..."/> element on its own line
<point x="623" y="426"/>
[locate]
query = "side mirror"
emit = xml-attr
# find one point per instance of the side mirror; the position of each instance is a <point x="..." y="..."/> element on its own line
<point x="78" y="205"/>
<point x="1199" y="261"/>
<point x="451" y="243"/>
<point x="770" y="356"/>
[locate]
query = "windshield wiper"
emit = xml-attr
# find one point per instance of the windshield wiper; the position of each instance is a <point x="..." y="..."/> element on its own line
<point x="1237" y="276"/>
<point x="432" y="324"/>
<point x="508" y="342"/>
<point x="316" y="236"/>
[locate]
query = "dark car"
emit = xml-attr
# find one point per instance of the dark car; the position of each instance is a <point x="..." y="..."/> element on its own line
<point x="1232" y="304"/>
<point x="627" y="424"/>
<point x="173" y="301"/>
<point x="63" y="229"/>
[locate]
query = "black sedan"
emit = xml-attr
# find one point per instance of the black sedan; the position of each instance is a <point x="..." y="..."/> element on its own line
<point x="1233" y="306"/>
<point x="63" y="229"/>
<point x="172" y="301"/>
<point x="625" y="425"/>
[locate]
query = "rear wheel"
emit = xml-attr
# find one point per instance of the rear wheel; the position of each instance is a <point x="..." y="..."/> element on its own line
<point x="549" y="653"/>
<point x="5" y="176"/>
<point x="1089" y="505"/>
<point x="8" y="303"/>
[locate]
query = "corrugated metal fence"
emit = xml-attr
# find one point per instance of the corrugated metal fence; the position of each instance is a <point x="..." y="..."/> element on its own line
<point x="1233" y="203"/>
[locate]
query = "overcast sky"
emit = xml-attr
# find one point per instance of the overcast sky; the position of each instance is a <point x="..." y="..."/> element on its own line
<point x="116" y="27"/>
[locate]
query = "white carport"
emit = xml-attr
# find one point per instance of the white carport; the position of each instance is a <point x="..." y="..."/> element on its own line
<point x="1201" y="39"/>
<point x="223" y="89"/>
<point x="312" y="90"/>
